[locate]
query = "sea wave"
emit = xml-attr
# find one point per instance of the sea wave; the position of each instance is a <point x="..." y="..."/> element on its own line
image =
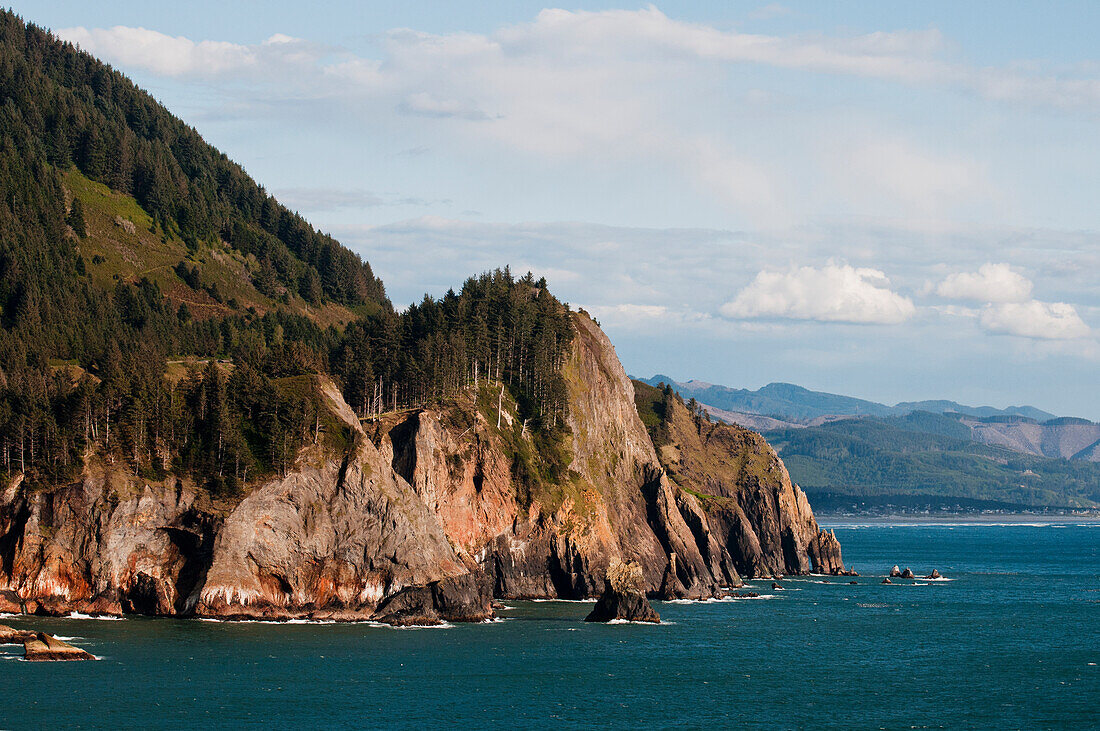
<point x="103" y="617"/>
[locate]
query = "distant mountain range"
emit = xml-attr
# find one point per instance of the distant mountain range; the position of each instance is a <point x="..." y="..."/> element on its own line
<point x="788" y="402"/>
<point x="850" y="453"/>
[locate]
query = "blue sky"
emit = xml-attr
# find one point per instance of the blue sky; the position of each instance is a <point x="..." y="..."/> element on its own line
<point x="891" y="200"/>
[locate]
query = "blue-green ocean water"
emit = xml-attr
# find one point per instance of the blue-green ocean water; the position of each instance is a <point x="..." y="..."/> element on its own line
<point x="1013" y="640"/>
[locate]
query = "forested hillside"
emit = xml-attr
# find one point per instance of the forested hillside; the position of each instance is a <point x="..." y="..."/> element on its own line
<point x="924" y="459"/>
<point x="158" y="307"/>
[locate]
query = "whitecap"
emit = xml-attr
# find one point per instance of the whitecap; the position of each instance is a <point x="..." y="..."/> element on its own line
<point x="81" y="615"/>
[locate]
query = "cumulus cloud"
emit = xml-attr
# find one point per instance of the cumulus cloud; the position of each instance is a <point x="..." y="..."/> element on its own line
<point x="1040" y="320"/>
<point x="991" y="283"/>
<point x="180" y="56"/>
<point x="833" y="293"/>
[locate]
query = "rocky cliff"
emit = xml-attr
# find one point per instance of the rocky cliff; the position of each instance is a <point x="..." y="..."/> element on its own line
<point x="762" y="521"/>
<point x="425" y="517"/>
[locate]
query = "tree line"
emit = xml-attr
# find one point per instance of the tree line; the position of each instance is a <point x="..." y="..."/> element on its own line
<point x="123" y="372"/>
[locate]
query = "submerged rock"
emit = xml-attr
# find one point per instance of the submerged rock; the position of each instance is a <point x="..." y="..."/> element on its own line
<point x="908" y="573"/>
<point x="895" y="572"/>
<point x="43" y="647"/>
<point x="623" y="596"/>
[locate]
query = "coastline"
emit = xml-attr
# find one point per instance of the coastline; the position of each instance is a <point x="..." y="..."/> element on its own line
<point x="1035" y="519"/>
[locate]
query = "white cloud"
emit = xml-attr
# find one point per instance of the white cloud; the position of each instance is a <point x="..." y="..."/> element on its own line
<point x="834" y="293"/>
<point x="1034" y="319"/>
<point x="428" y="105"/>
<point x="172" y="55"/>
<point x="991" y="283"/>
<point x="607" y="86"/>
<point x="920" y="180"/>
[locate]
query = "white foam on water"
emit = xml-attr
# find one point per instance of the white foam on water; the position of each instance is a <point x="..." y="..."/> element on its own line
<point x="383" y="625"/>
<point x="298" y="620"/>
<point x="567" y="601"/>
<point x="103" y="617"/>
<point x="631" y="621"/>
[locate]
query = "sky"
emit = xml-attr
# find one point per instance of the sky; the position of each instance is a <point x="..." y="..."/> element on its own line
<point x="895" y="201"/>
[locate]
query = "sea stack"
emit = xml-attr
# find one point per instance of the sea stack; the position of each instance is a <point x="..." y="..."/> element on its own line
<point x="895" y="572"/>
<point x="908" y="573"/>
<point x="43" y="647"/>
<point x="623" y="596"/>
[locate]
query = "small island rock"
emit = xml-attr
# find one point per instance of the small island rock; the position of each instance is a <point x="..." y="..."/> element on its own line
<point x="887" y="581"/>
<point x="623" y="597"/>
<point x="895" y="572"/>
<point x="934" y="575"/>
<point x="776" y="585"/>
<point x="43" y="647"/>
<point x="908" y="573"/>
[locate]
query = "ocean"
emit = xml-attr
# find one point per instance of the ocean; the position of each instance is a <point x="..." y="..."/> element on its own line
<point x="1011" y="639"/>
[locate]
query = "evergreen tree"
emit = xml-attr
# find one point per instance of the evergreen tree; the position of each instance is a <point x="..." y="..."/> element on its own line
<point x="76" y="218"/>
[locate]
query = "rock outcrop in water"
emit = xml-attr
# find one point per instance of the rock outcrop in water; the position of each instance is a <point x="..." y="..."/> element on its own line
<point x="43" y="648"/>
<point x="423" y="518"/>
<point x="623" y="597"/>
